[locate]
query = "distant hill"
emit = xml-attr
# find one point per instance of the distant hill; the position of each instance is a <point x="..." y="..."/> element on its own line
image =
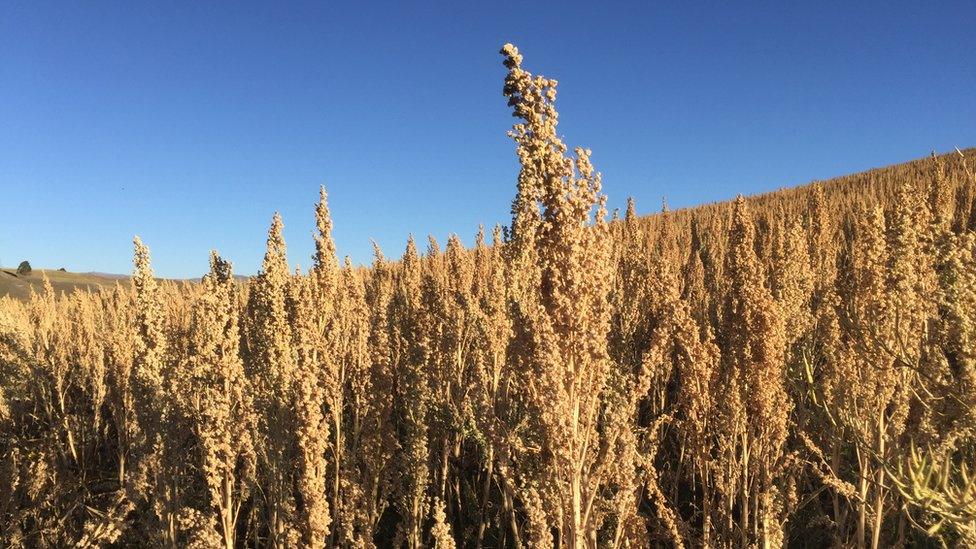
<point x="110" y="276"/>
<point x="19" y="286"/>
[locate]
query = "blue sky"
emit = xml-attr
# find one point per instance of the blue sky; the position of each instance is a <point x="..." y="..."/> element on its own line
<point x="190" y="124"/>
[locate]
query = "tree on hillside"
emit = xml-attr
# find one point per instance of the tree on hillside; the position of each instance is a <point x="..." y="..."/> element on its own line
<point x="24" y="268"/>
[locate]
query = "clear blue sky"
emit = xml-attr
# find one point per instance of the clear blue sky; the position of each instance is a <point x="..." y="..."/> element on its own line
<point x="190" y="124"/>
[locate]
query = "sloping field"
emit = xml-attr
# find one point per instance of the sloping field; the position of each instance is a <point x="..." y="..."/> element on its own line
<point x="19" y="286"/>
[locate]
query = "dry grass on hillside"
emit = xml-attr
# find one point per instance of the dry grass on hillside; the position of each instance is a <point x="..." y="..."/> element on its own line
<point x="20" y="286"/>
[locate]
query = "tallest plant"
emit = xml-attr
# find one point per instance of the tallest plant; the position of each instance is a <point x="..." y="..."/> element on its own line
<point x="562" y="271"/>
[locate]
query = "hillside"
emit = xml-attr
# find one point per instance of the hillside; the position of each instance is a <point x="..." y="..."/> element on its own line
<point x="845" y="195"/>
<point x="19" y="286"/>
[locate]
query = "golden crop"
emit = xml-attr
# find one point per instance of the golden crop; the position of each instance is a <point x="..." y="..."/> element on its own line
<point x="797" y="368"/>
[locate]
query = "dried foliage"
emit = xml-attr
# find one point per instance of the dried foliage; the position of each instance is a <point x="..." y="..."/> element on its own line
<point x="797" y="368"/>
